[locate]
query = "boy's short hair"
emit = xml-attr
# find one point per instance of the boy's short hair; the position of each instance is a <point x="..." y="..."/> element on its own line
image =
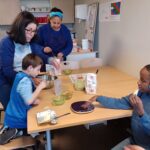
<point x="31" y="60"/>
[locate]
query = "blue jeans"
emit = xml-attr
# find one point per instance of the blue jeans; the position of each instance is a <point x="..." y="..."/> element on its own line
<point x="5" y="90"/>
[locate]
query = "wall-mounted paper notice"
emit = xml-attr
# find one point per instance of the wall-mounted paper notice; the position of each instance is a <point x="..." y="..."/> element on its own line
<point x="110" y="11"/>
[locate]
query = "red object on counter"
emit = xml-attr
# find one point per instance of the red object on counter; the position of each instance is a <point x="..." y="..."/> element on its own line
<point x="41" y="19"/>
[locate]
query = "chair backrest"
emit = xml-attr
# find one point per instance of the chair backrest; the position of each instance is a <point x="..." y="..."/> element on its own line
<point x="90" y="62"/>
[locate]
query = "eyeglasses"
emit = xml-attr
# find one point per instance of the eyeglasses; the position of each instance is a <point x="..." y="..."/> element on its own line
<point x="31" y="31"/>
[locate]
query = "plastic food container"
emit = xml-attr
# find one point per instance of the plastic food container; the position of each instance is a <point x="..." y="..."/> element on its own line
<point x="67" y="95"/>
<point x="79" y="85"/>
<point x="67" y="71"/>
<point x="58" y="100"/>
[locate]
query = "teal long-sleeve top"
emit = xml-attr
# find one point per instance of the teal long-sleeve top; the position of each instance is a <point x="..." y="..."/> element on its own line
<point x="140" y="125"/>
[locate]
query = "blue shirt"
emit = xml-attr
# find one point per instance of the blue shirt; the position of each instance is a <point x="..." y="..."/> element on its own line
<point x="58" y="41"/>
<point x="140" y="125"/>
<point x="7" y="52"/>
<point x="16" y="112"/>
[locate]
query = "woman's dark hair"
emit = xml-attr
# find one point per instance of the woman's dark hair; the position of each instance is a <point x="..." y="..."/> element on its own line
<point x="55" y="9"/>
<point x="17" y="30"/>
<point x="31" y="60"/>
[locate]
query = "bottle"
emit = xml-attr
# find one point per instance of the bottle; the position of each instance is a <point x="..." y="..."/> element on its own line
<point x="57" y="87"/>
<point x="56" y="63"/>
<point x="58" y="69"/>
<point x="85" y="44"/>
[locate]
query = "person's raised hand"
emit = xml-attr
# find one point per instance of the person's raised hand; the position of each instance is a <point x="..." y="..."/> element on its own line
<point x="47" y="50"/>
<point x="55" y="62"/>
<point x="36" y="102"/>
<point x="42" y="84"/>
<point x="89" y="102"/>
<point x="60" y="56"/>
<point x="137" y="104"/>
<point x="36" y="81"/>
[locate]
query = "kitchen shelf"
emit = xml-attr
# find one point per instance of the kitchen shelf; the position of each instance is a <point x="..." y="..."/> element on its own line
<point x="38" y="9"/>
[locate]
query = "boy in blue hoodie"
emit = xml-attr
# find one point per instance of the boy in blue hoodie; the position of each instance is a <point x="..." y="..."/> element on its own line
<point x="140" y="103"/>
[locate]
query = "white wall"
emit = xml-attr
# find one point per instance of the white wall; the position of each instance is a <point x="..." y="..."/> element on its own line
<point x="126" y="44"/>
<point x="130" y="37"/>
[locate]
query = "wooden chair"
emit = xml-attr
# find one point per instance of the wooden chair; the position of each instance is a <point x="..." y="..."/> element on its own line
<point x="20" y="142"/>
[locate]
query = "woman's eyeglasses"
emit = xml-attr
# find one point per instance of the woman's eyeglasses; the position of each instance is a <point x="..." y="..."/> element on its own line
<point x="30" y="31"/>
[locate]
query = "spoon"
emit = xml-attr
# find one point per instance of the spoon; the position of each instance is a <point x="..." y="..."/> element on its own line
<point x="62" y="115"/>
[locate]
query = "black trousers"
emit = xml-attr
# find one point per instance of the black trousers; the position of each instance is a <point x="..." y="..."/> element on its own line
<point x="5" y="90"/>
